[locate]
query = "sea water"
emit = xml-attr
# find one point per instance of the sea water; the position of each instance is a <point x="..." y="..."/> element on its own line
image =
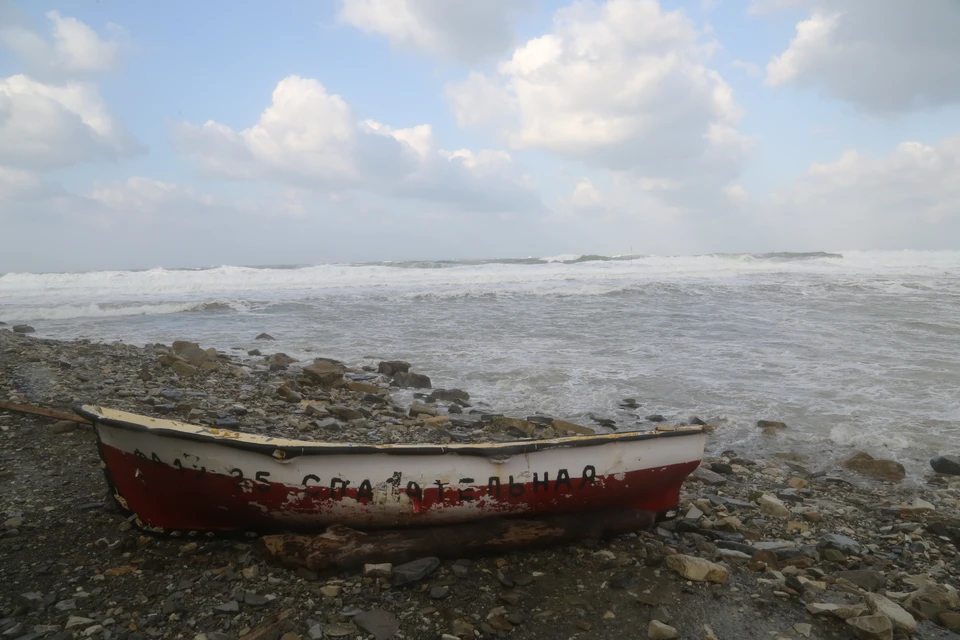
<point x="851" y="350"/>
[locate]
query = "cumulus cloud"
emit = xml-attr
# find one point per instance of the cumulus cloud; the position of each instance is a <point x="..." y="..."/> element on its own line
<point x="622" y="85"/>
<point x="75" y="50"/>
<point x="883" y="56"/>
<point x="910" y="197"/>
<point x="53" y="117"/>
<point x="47" y="126"/>
<point x="311" y="139"/>
<point x="460" y="29"/>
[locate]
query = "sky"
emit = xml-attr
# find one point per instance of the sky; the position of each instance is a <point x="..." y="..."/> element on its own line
<point x="185" y="134"/>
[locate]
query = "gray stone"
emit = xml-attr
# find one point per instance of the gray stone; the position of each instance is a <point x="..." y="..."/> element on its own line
<point x="408" y="379"/>
<point x="377" y="622"/>
<point x="708" y="477"/>
<point x="440" y="593"/>
<point x="231" y="606"/>
<point x="315" y="632"/>
<point x="771" y="424"/>
<point x="23" y="328"/>
<point x="413" y="571"/>
<point x="841" y="543"/>
<point x="864" y="578"/>
<point x="264" y="336"/>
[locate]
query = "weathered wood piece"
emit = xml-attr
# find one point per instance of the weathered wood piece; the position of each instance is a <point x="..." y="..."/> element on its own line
<point x="43" y="411"/>
<point x="342" y="548"/>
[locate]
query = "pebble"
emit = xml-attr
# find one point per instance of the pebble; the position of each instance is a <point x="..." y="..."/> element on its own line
<point x="660" y="631"/>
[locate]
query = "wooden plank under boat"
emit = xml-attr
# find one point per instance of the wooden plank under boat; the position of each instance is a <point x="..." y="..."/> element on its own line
<point x="183" y="479"/>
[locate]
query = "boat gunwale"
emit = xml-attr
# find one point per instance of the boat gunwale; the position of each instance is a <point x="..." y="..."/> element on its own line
<point x="283" y="450"/>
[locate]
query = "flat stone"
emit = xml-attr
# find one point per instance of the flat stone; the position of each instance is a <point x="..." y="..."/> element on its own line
<point x="378" y="623"/>
<point x="772" y="506"/>
<point x="413" y="571"/>
<point x="866" y="579"/>
<point x="882" y="606"/>
<point x="841" y="543"/>
<point x="77" y="621"/>
<point x="440" y="593"/>
<point x="708" y="477"/>
<point x="771" y="424"/>
<point x="231" y="606"/>
<point x="868" y="465"/>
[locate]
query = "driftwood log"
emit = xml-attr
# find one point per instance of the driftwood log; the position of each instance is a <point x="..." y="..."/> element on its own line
<point x="340" y="548"/>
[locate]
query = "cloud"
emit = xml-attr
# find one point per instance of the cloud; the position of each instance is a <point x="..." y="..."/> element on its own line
<point x="908" y="198"/>
<point x="622" y="85"/>
<point x="751" y="69"/>
<point x="882" y="56"/>
<point x="76" y="49"/>
<point x="46" y="126"/>
<point x="53" y="116"/>
<point x="465" y="31"/>
<point x="311" y="139"/>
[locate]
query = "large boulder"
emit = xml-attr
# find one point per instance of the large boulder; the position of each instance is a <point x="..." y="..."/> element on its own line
<point x="23" y="328"/>
<point x="408" y="379"/>
<point x="449" y="395"/>
<point x="947" y="465"/>
<point x="393" y="367"/>
<point x="868" y="465"/>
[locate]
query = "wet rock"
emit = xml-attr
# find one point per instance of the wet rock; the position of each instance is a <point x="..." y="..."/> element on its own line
<point x="872" y="627"/>
<point x="393" y="367"/>
<point x="413" y="571"/>
<point x="289" y="394"/>
<point x="254" y="352"/>
<point x="950" y="620"/>
<point x="697" y="569"/>
<point x="448" y="395"/>
<point x="264" y="336"/>
<point x="660" y="631"/>
<point x="344" y="412"/>
<point x="771" y="424"/>
<point x="408" y="379"/>
<point x="440" y="593"/>
<point x="654" y="417"/>
<point x="868" y="465"/>
<point x="947" y="465"/>
<point x="23" y="328"/>
<point x="378" y="623"/>
<point x="231" y="606"/>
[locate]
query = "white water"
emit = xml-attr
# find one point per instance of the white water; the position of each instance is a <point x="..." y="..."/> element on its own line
<point x="859" y="349"/>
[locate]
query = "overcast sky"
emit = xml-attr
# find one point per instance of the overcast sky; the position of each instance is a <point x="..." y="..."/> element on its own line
<point x="181" y="134"/>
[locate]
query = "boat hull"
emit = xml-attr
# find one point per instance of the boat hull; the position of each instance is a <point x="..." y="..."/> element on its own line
<point x="185" y="478"/>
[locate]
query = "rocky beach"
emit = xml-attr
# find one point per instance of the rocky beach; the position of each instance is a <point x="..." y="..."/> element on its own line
<point x="779" y="545"/>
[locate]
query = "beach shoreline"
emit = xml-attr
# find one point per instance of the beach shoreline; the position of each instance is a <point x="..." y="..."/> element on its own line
<point x="61" y="537"/>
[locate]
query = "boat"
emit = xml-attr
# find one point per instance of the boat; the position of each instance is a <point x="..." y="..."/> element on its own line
<point x="184" y="479"/>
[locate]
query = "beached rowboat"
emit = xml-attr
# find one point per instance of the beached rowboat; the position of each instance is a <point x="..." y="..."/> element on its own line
<point x="183" y="478"/>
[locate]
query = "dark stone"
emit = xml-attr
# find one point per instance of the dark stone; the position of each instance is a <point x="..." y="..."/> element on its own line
<point x="735" y="546"/>
<point x="254" y="599"/>
<point x="23" y="328"/>
<point x="228" y="422"/>
<point x="948" y="465"/>
<point x="729" y="536"/>
<point x="707" y="476"/>
<point x="228" y="607"/>
<point x="171" y="394"/>
<point x="454" y="408"/>
<point x="730" y="502"/>
<point x="254" y="352"/>
<point x="771" y="424"/>
<point x="264" y="336"/>
<point x="381" y="624"/>
<point x="413" y="571"/>
<point x="448" y="395"/>
<point x="165" y="408"/>
<point x="865" y="579"/>
<point x="440" y="593"/>
<point x="655" y="417"/>
<point x="722" y="467"/>
<point x="623" y="580"/>
<point x="697" y="421"/>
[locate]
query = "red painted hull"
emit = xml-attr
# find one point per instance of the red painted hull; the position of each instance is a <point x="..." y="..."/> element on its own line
<point x="203" y="501"/>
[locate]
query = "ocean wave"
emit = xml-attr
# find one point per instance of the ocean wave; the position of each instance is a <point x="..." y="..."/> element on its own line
<point x="108" y="310"/>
